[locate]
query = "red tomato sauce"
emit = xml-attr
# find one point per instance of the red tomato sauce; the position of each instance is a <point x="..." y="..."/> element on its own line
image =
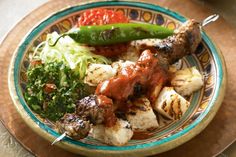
<point x="107" y="104"/>
<point x="145" y="72"/>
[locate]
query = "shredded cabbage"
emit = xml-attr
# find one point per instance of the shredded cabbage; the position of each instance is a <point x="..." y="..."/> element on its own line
<point x="72" y="54"/>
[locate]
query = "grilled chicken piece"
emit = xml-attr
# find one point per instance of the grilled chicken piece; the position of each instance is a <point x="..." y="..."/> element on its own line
<point x="141" y="115"/>
<point x="73" y="126"/>
<point x="187" y="81"/>
<point x="117" y="135"/>
<point x="171" y="104"/>
<point x="184" y="41"/>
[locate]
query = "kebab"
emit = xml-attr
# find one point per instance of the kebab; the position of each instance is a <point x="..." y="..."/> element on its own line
<point x="97" y="109"/>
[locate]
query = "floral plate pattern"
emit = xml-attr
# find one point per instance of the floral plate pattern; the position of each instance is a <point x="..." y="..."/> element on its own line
<point x="204" y="103"/>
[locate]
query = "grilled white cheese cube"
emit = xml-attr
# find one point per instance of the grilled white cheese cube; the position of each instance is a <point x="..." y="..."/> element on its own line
<point x="187" y="81"/>
<point x="117" y="135"/>
<point x="97" y="73"/>
<point x="171" y="104"/>
<point x="141" y="115"/>
<point x="121" y="64"/>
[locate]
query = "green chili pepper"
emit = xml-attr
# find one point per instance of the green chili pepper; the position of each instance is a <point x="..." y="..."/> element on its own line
<point x="116" y="33"/>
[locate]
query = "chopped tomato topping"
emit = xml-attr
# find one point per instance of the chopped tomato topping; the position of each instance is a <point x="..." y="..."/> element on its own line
<point x="49" y="87"/>
<point x="101" y="17"/>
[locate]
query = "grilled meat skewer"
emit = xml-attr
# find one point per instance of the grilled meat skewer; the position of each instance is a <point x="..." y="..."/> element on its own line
<point x="89" y="110"/>
<point x="98" y="109"/>
<point x="184" y="42"/>
<point x="120" y="87"/>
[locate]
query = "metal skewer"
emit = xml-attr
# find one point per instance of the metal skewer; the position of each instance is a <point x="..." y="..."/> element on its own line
<point x="59" y="138"/>
<point x="209" y="19"/>
<point x="205" y="22"/>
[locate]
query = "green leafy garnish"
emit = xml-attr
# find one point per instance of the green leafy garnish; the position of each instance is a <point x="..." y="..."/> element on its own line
<point x="54" y="102"/>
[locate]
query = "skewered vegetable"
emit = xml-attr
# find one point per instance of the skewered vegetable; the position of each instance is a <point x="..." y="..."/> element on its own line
<point x="149" y="70"/>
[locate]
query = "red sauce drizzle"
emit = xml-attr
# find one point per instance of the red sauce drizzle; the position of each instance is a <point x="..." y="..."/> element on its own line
<point x="109" y="116"/>
<point x="146" y="72"/>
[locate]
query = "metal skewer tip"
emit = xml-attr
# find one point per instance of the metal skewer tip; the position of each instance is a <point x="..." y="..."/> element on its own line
<point x="59" y="138"/>
<point x="209" y="19"/>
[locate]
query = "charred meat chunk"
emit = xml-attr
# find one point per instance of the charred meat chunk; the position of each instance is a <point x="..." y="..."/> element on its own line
<point x="96" y="109"/>
<point x="73" y="126"/>
<point x="89" y="109"/>
<point x="185" y="40"/>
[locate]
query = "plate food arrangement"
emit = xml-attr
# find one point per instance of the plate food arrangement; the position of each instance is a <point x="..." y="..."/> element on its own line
<point x="123" y="79"/>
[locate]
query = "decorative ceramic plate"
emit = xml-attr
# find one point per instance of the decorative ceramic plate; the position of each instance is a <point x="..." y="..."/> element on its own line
<point x="204" y="103"/>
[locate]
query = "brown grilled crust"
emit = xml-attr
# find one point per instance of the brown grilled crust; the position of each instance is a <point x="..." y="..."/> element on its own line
<point x="183" y="42"/>
<point x="89" y="109"/>
<point x="74" y="126"/>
